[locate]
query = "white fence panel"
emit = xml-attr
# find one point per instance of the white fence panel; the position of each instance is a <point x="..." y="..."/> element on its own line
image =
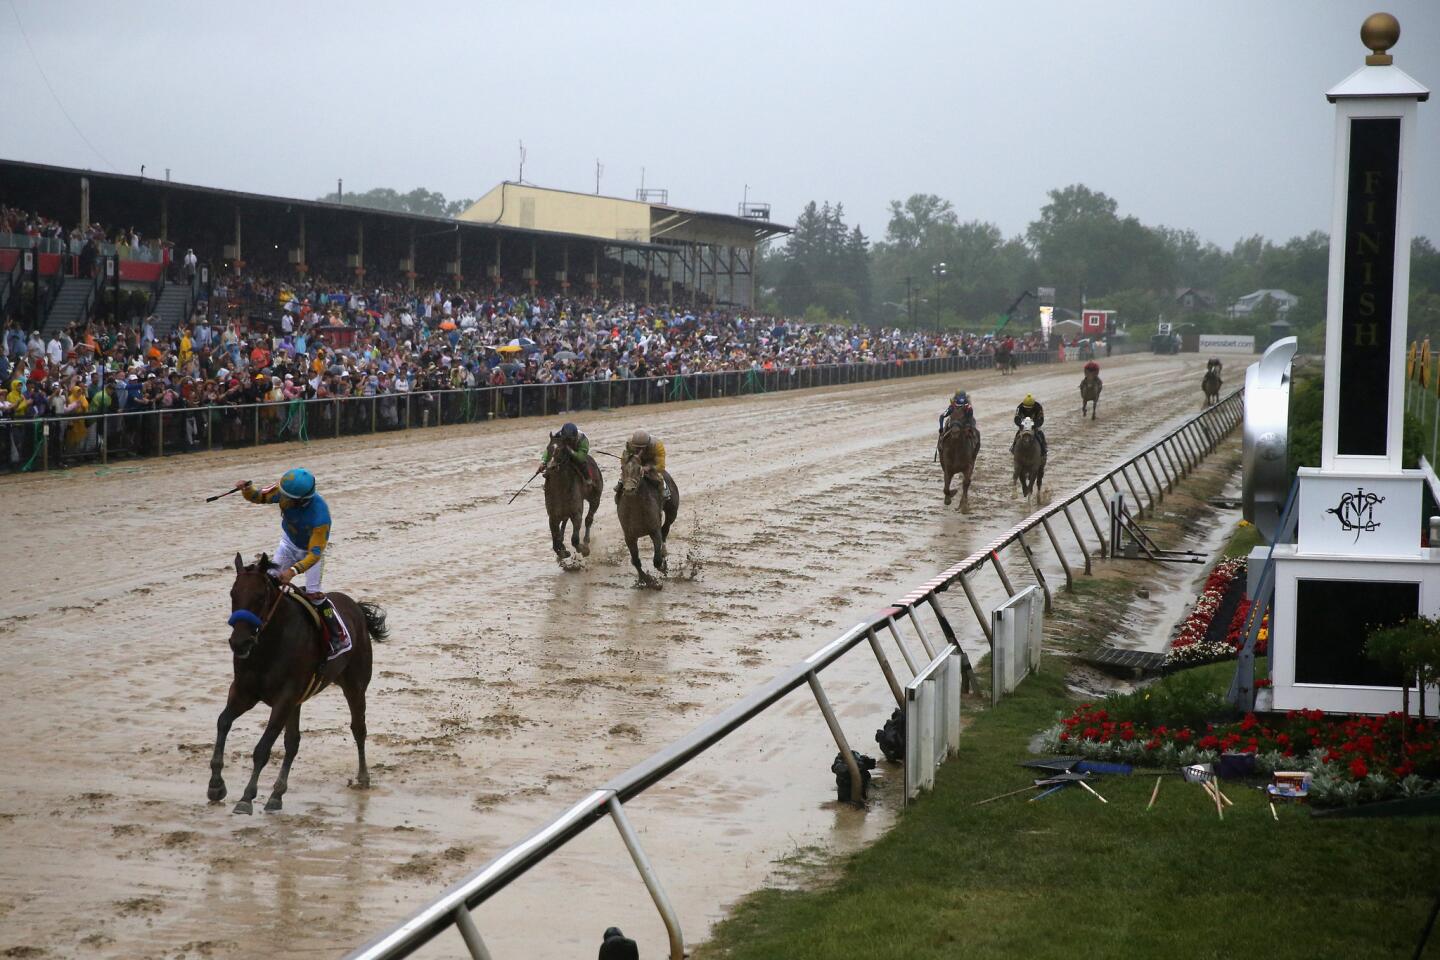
<point x="932" y="720"/>
<point x="1017" y="626"/>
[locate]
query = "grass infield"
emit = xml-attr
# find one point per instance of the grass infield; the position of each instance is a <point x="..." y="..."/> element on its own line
<point x="1069" y="876"/>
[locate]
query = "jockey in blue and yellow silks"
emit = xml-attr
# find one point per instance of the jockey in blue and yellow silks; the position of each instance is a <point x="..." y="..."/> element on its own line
<point x="304" y="525"/>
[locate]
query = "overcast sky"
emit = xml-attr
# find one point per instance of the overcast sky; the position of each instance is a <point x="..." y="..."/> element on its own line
<point x="1204" y="115"/>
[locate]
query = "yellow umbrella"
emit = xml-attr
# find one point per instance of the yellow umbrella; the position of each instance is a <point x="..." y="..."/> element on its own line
<point x="508" y="348"/>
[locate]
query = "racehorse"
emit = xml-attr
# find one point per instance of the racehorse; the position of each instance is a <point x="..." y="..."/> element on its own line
<point x="959" y="447"/>
<point x="1211" y="386"/>
<point x="1029" y="460"/>
<point x="1090" y="387"/>
<point x="566" y="498"/>
<point x="1005" y="361"/>
<point x="279" y="658"/>
<point x="643" y="513"/>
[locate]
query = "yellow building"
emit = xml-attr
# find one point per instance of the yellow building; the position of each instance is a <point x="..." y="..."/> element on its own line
<point x="707" y="256"/>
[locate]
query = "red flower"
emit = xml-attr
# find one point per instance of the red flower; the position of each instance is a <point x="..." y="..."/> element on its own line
<point x="1358" y="769"/>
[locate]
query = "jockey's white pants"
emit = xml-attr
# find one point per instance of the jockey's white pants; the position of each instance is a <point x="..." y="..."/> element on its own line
<point x="287" y="554"/>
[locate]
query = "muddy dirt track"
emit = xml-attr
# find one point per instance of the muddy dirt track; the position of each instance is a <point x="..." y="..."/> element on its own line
<point x="510" y="687"/>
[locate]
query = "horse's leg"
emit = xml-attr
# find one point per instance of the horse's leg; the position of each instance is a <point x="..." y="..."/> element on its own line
<point x="633" y="543"/>
<point x="965" y="485"/>
<point x="657" y="537"/>
<point x="355" y="697"/>
<point x="557" y="537"/>
<point x="575" y="521"/>
<point x="279" y="714"/>
<point x="234" y="707"/>
<point x="948" y="494"/>
<point x="590" y="519"/>
<point x="292" y="747"/>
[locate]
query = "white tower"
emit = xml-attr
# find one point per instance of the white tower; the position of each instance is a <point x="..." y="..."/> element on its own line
<point x="1358" y="561"/>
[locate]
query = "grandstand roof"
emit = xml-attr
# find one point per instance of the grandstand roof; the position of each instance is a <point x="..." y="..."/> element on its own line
<point x="613" y="219"/>
<point x="11" y="169"/>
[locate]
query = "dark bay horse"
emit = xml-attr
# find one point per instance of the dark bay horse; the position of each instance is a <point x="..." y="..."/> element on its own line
<point x="1029" y="461"/>
<point x="1090" y="388"/>
<point x="1211" y="385"/>
<point x="278" y="659"/>
<point x="643" y="513"/>
<point x="1005" y="361"/>
<point x="566" y="497"/>
<point x="959" y="447"/>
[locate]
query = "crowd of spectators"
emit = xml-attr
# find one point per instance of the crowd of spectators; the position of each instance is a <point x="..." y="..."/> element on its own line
<point x="85" y="242"/>
<point x="259" y="339"/>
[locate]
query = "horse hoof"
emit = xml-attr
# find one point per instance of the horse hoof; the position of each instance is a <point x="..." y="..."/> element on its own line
<point x="363" y="783"/>
<point x="216" y="793"/>
<point x="585" y="550"/>
<point x="244" y="807"/>
<point x="273" y="804"/>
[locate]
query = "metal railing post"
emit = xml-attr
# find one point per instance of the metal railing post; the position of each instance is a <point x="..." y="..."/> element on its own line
<point x="1055" y="545"/>
<point x="885" y="668"/>
<point x="1149" y="465"/>
<point x="1175" y="469"/>
<point x="1192" y="450"/>
<point x="1000" y="571"/>
<point x="647" y="873"/>
<point x="1139" y="504"/>
<point x="1079" y="540"/>
<point x="857" y="795"/>
<point x="975" y="606"/>
<point x="159" y="434"/>
<point x="470" y="933"/>
<point x="1164" y="471"/>
<point x="1035" y="569"/>
<point x="1099" y="534"/>
<point x="910" y="660"/>
<point x="930" y="650"/>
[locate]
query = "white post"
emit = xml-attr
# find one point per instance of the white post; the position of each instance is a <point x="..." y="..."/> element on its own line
<point x="1368" y="297"/>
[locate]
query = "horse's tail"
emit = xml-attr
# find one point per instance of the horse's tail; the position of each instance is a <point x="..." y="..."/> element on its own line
<point x="375" y="622"/>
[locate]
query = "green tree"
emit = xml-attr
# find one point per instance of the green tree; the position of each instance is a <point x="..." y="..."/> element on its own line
<point x="421" y="202"/>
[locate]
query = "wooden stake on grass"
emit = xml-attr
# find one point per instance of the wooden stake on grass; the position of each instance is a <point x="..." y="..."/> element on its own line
<point x="1092" y="792"/>
<point x="979" y="803"/>
<point x="1154" y="793"/>
<point x="1214" y="792"/>
<point x="1273" y="813"/>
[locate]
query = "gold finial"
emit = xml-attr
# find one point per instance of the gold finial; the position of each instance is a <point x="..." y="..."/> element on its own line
<point x="1379" y="32"/>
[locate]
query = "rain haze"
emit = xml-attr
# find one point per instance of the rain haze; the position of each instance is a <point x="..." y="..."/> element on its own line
<point x="1211" y="117"/>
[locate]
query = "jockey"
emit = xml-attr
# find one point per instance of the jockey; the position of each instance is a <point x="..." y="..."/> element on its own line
<point x="1213" y="364"/>
<point x="578" y="446"/>
<point x="959" y="411"/>
<point x="304" y="519"/>
<point x="1030" y="407"/>
<point x="652" y="457"/>
<point x="1092" y="369"/>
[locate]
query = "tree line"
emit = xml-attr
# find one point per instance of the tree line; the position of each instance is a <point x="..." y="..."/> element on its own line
<point x="1080" y="245"/>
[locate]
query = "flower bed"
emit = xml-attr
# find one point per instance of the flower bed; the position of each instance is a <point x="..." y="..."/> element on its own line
<point x="1201" y="638"/>
<point x="1353" y="759"/>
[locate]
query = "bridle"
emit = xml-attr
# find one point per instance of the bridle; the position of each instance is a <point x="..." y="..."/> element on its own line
<point x="259" y="623"/>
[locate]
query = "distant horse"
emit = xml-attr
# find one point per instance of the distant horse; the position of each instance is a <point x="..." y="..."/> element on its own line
<point x="643" y="513"/>
<point x="279" y="658"/>
<point x="566" y="497"/>
<point x="959" y="447"/>
<point x="1005" y="361"/>
<point x="1211" y="385"/>
<point x="1029" y="460"/>
<point x="1090" y="388"/>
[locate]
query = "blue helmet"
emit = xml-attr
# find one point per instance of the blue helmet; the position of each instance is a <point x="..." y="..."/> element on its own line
<point x="569" y="431"/>
<point x="298" y="484"/>
<point x="960" y="396"/>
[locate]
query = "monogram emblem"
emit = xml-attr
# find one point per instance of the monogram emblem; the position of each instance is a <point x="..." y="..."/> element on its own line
<point x="1356" y="511"/>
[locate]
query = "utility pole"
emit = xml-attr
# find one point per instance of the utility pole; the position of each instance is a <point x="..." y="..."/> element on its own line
<point x="339" y="190"/>
<point x="520" y="178"/>
<point x="599" y="169"/>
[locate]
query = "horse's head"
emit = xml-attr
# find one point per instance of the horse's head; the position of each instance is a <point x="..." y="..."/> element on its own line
<point x="631" y="474"/>
<point x="554" y="454"/>
<point x="251" y="596"/>
<point x="1027" y="425"/>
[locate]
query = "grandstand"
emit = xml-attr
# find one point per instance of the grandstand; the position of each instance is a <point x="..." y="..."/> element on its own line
<point x="516" y="234"/>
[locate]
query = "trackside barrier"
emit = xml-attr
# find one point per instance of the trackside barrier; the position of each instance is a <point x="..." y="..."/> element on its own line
<point x="1017" y="626"/>
<point x="1183" y="448"/>
<point x="40" y="443"/>
<point x="932" y="720"/>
